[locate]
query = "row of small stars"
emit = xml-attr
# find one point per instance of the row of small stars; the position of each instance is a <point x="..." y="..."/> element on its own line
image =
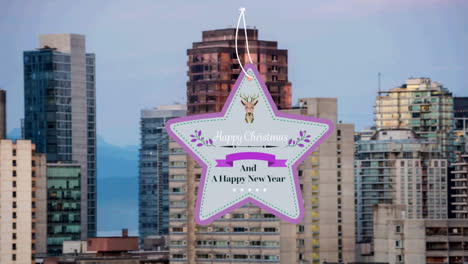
<point x="249" y="189"/>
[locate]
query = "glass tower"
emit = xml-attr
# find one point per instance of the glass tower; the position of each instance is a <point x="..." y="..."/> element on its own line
<point x="63" y="206"/>
<point x="59" y="93"/>
<point x="154" y="170"/>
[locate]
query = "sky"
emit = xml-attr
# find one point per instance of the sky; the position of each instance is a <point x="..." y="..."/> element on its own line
<point x="336" y="49"/>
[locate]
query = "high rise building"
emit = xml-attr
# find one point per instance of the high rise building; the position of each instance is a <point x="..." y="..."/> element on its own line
<point x="251" y="235"/>
<point x="3" y="132"/>
<point x="213" y="69"/>
<point x="154" y="190"/>
<point x="422" y="105"/>
<point x="458" y="192"/>
<point x="398" y="167"/>
<point x="22" y="214"/>
<point x="59" y="91"/>
<point x="63" y="205"/>
<point x="460" y="114"/>
<point x="402" y="240"/>
<point x="327" y="183"/>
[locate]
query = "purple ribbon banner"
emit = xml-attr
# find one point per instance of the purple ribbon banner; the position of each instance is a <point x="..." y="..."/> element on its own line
<point x="270" y="158"/>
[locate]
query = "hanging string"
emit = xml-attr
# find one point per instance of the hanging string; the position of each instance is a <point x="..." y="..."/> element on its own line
<point x="242" y="15"/>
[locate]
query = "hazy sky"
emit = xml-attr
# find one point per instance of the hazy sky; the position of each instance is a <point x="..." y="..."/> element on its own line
<point x="336" y="48"/>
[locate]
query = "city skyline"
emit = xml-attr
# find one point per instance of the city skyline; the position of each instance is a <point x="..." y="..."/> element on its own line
<point x="389" y="184"/>
<point x="322" y="66"/>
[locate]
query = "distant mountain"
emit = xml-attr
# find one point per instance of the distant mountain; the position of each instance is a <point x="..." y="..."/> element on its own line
<point x="15" y="133"/>
<point x="116" y="162"/>
<point x="117" y="170"/>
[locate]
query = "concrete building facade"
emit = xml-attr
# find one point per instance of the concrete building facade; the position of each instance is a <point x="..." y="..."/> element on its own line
<point x="251" y="235"/>
<point x="401" y="240"/>
<point x="60" y="117"/>
<point x="153" y="218"/>
<point x="22" y="200"/>
<point x="398" y="167"/>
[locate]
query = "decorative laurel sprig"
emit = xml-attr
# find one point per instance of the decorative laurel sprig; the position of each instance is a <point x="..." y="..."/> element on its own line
<point x="303" y="138"/>
<point x="197" y="137"/>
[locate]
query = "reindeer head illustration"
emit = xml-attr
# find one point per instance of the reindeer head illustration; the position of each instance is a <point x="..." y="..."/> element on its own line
<point x="249" y="102"/>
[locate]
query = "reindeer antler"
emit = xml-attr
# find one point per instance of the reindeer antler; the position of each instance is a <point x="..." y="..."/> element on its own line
<point x="249" y="98"/>
<point x="243" y="97"/>
<point x="254" y="97"/>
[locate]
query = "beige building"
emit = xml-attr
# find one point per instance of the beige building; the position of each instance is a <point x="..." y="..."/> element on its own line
<point x="420" y="104"/>
<point x="251" y="235"/>
<point x="22" y="201"/>
<point x="401" y="240"/>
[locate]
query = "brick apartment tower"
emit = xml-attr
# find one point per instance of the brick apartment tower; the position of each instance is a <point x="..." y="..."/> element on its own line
<point x="247" y="234"/>
<point x="213" y="69"/>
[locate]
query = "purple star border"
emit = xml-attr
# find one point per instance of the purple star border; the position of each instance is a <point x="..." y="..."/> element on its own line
<point x="249" y="199"/>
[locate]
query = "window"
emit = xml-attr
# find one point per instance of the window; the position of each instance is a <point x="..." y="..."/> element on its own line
<point x="13" y="236"/>
<point x="239" y="229"/>
<point x="14" y="163"/>
<point x="398" y="244"/>
<point x="14" y="205"/>
<point x="14" y="194"/>
<point x="13" y="257"/>
<point x="14" y="173"/>
<point x="14" y="184"/>
<point x="300" y="229"/>
<point x="398" y="229"/>
<point x="399" y="258"/>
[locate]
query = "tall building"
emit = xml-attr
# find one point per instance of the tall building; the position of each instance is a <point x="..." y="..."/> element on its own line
<point x="327" y="183"/>
<point x="458" y="193"/>
<point x="63" y="205"/>
<point x="154" y="190"/>
<point x="460" y="114"/>
<point x="59" y="91"/>
<point x="422" y="105"/>
<point x="252" y="235"/>
<point x="213" y="69"/>
<point x="3" y="119"/>
<point x="398" y="167"/>
<point x="22" y="214"/>
<point x="402" y="240"/>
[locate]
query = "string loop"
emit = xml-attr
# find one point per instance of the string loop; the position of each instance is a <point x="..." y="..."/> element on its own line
<point x="242" y="15"/>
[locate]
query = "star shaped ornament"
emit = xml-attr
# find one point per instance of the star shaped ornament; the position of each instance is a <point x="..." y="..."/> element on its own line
<point x="249" y="152"/>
